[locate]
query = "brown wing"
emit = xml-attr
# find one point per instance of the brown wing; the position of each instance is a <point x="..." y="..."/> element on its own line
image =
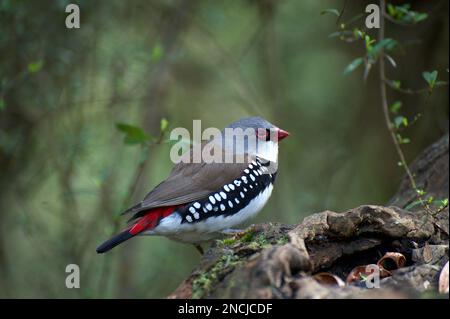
<point x="189" y="182"/>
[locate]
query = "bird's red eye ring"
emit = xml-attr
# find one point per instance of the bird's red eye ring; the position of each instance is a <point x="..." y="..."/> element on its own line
<point x="263" y="134"/>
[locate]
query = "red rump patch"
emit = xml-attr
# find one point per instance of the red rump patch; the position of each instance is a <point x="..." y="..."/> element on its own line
<point x="151" y="219"/>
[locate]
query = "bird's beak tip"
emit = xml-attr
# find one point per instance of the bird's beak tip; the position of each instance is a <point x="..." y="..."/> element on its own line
<point x="282" y="134"/>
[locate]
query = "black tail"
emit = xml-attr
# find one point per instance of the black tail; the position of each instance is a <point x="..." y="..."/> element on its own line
<point x="113" y="242"/>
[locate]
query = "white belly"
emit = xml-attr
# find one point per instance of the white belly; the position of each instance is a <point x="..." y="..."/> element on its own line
<point x="211" y="227"/>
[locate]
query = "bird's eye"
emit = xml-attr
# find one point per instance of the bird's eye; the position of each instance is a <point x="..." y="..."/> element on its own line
<point x="263" y="134"/>
<point x="267" y="134"/>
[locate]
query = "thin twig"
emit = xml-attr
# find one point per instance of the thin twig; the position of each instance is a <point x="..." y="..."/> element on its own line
<point x="391" y="128"/>
<point x="442" y="208"/>
<point x="385" y="107"/>
<point x="405" y="91"/>
<point x="341" y="14"/>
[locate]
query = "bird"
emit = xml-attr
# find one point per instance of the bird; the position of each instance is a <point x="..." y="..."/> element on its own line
<point x="202" y="201"/>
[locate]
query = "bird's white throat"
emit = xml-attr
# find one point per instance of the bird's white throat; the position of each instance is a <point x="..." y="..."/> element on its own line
<point x="268" y="151"/>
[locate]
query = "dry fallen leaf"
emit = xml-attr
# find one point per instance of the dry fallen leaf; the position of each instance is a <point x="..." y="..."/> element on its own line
<point x="443" y="280"/>
<point x="360" y="273"/>
<point x="326" y="278"/>
<point x="389" y="262"/>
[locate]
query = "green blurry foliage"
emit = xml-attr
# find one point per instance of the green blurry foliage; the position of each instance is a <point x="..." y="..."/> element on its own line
<point x="404" y="14"/>
<point x="35" y="67"/>
<point x="133" y="134"/>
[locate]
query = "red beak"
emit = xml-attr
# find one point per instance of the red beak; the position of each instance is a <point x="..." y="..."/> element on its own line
<point x="282" y="134"/>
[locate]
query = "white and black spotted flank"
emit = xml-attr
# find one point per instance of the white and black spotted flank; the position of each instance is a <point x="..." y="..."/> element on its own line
<point x="232" y="198"/>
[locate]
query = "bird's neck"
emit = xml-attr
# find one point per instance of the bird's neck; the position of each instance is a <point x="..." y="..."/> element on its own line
<point x="268" y="151"/>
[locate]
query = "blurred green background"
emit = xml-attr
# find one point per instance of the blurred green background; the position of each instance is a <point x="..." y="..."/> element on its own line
<point x="66" y="173"/>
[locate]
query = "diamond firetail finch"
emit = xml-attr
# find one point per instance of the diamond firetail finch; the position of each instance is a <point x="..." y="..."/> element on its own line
<point x="200" y="201"/>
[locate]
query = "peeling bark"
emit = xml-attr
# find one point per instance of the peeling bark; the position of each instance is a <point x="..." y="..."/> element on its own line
<point x="279" y="261"/>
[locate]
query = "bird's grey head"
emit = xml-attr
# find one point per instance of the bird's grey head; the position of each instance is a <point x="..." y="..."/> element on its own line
<point x="254" y="122"/>
<point x="253" y="135"/>
<point x="262" y="128"/>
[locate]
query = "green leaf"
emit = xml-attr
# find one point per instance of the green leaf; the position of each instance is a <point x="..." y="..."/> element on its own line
<point x="444" y="202"/>
<point x="400" y="120"/>
<point x="340" y="34"/>
<point x="331" y="11"/>
<point x="413" y="204"/>
<point x="418" y="17"/>
<point x="35" y="67"/>
<point x="403" y="140"/>
<point x="404" y="14"/>
<point x="430" y="78"/>
<point x="133" y="134"/>
<point x="420" y="192"/>
<point x="335" y="34"/>
<point x="358" y="34"/>
<point x="387" y="44"/>
<point x="395" y="107"/>
<point x="440" y="203"/>
<point x="391" y="10"/>
<point x="164" y="125"/>
<point x="368" y="41"/>
<point x="397" y="84"/>
<point x="2" y="104"/>
<point x="353" y="65"/>
<point x="157" y="52"/>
